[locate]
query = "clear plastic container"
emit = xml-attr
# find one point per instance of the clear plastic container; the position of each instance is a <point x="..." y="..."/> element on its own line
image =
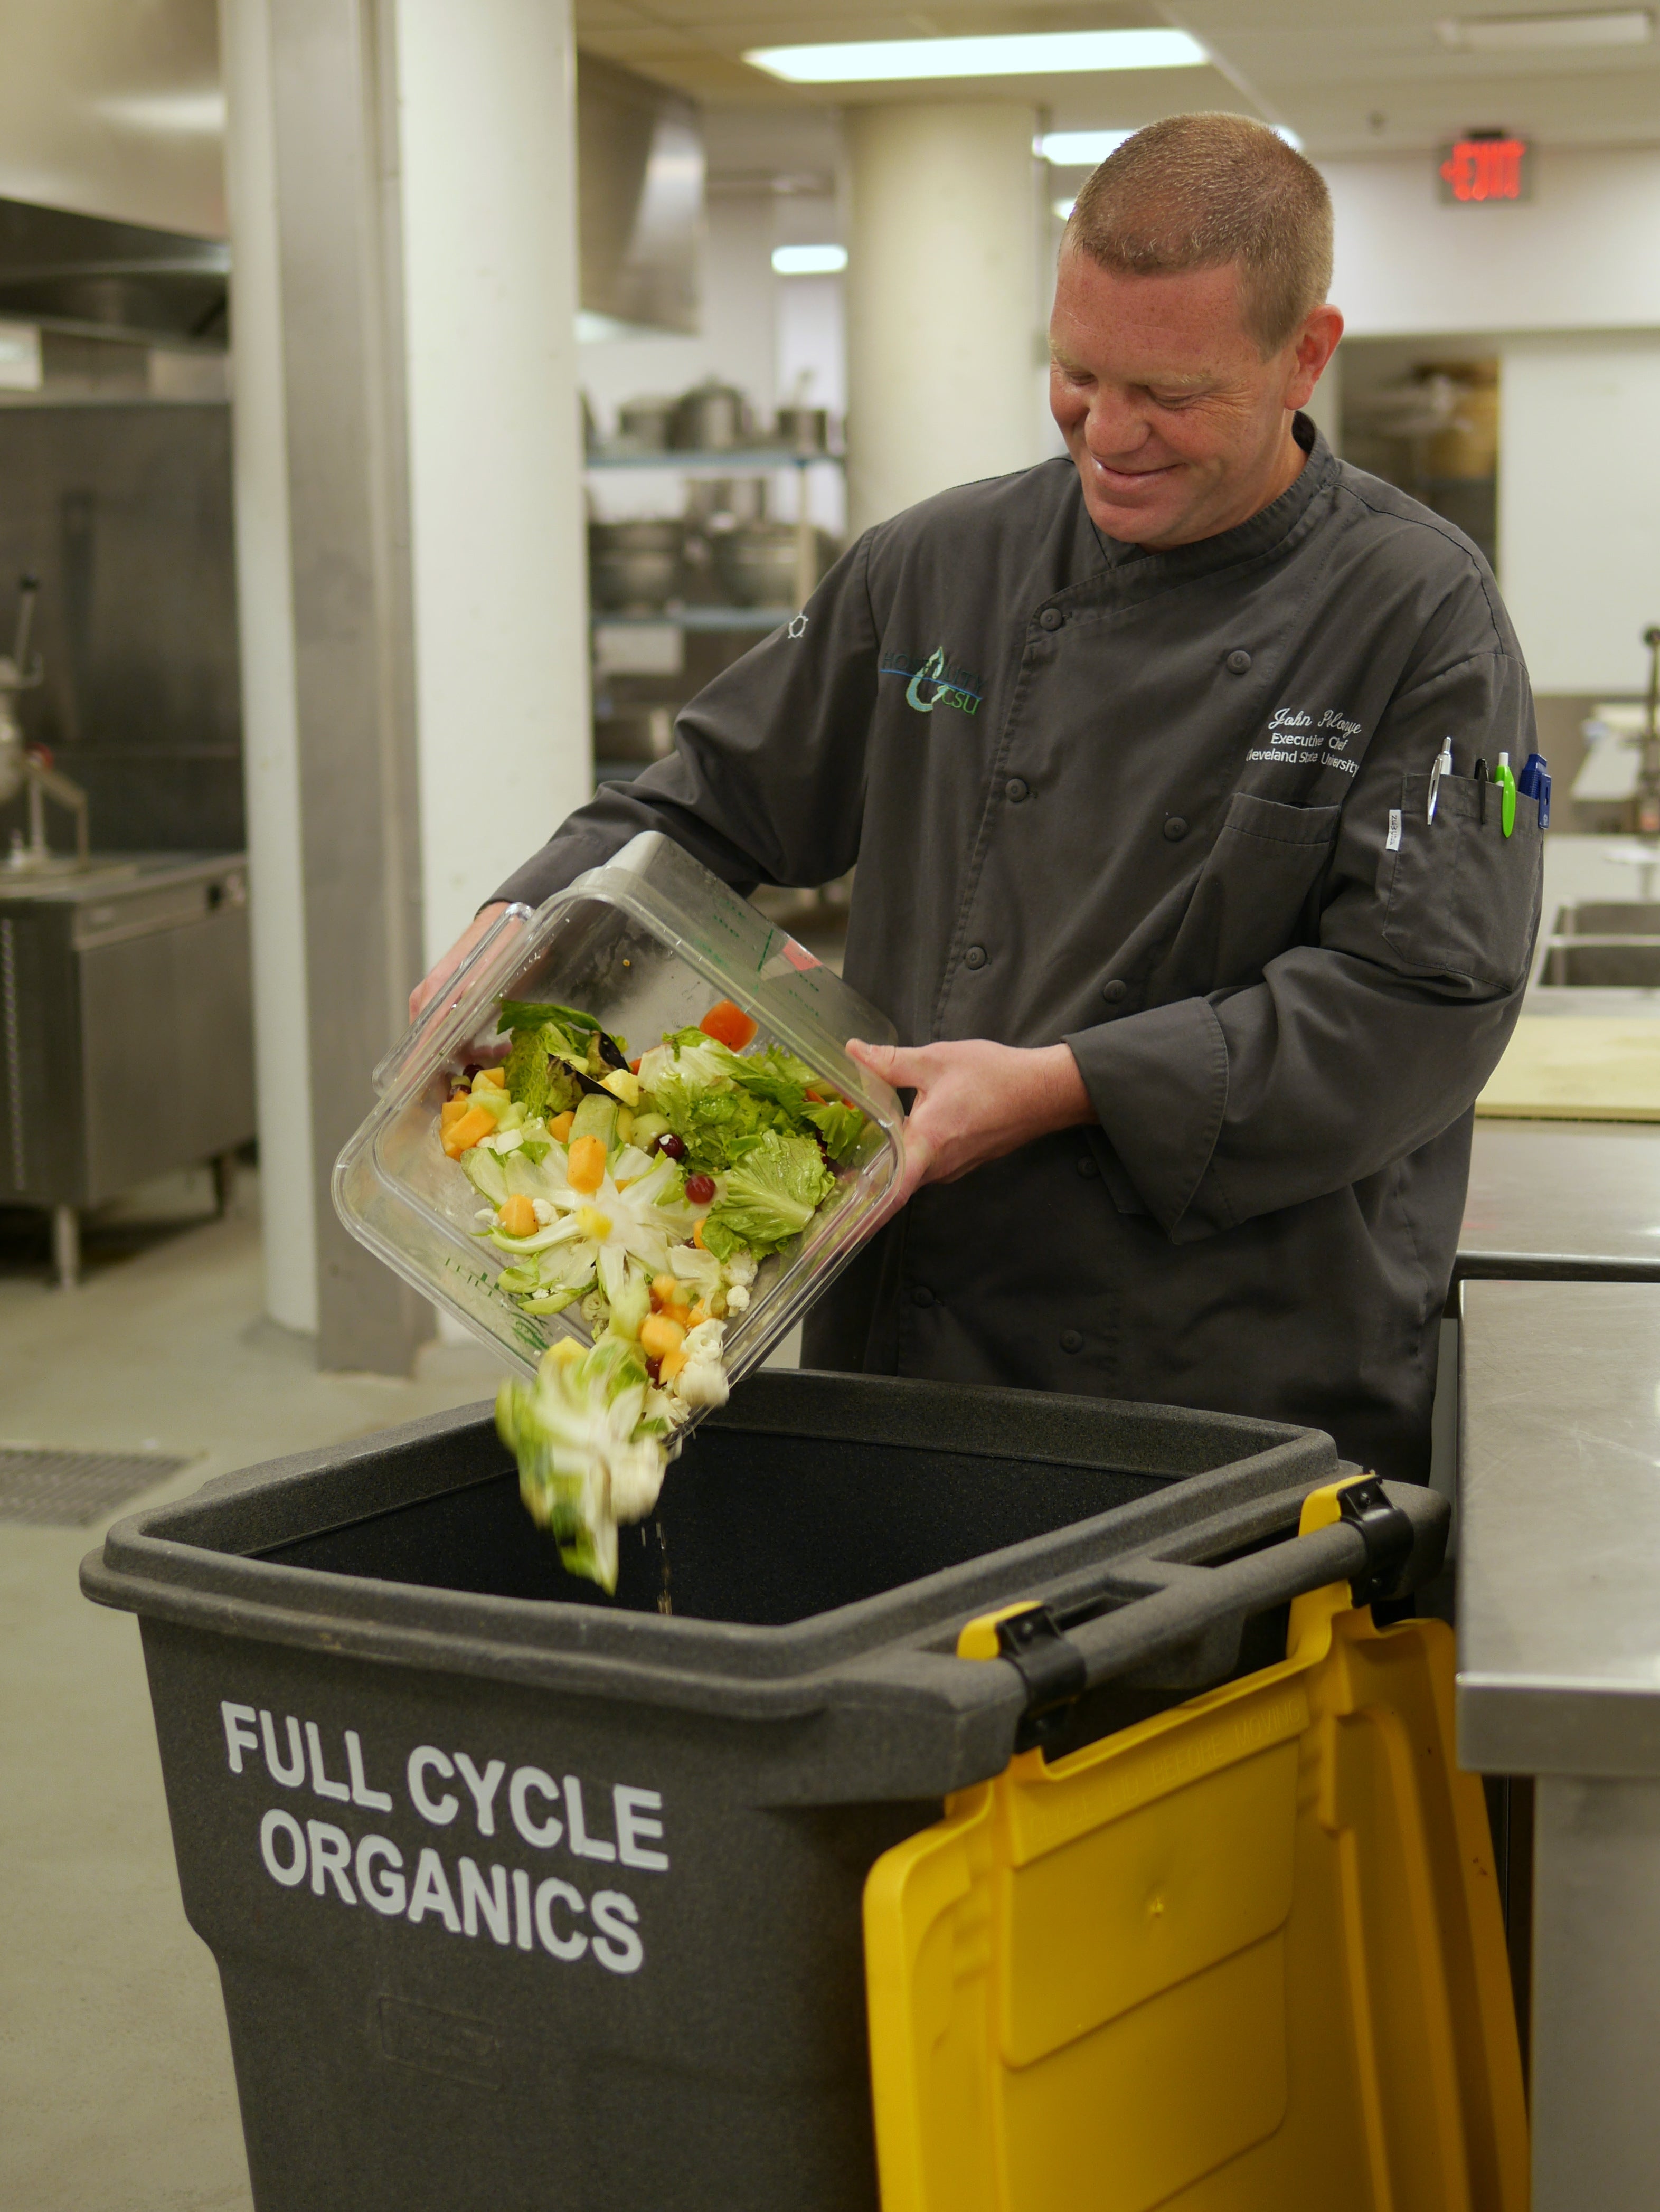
<point x="645" y="945"/>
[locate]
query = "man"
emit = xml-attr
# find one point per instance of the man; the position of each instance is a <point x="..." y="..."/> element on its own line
<point x="1134" y="752"/>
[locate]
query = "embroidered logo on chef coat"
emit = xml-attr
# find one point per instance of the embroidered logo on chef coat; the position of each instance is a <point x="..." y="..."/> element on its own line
<point x="798" y="626"/>
<point x="935" y="682"/>
<point x="1295" y="739"/>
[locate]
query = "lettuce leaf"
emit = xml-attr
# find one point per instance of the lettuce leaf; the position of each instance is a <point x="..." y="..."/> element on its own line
<point x="838" y="1124"/>
<point x="717" y="1123"/>
<point x="772" y="1193"/>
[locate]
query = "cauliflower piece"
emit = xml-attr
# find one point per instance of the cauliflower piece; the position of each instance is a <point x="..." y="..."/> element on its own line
<point x="704" y="1383"/>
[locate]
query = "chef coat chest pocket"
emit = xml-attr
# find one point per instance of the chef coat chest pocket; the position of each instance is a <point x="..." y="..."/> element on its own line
<point x="1463" y="898"/>
<point x="1253" y="898"/>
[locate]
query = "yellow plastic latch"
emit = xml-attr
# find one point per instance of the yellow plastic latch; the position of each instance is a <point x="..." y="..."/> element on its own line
<point x="979" y="1639"/>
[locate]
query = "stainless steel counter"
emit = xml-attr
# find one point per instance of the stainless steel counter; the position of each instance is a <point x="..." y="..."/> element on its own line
<point x="126" y="1041"/>
<point x="1563" y="1199"/>
<point x="1559" y="1657"/>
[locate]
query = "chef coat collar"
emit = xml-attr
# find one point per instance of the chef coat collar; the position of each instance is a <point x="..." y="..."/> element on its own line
<point x="1259" y="533"/>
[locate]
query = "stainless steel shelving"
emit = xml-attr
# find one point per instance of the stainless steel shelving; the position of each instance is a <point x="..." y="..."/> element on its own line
<point x="744" y="460"/>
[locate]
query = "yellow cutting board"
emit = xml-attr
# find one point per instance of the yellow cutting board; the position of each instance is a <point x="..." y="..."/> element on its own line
<point x="1578" y="1068"/>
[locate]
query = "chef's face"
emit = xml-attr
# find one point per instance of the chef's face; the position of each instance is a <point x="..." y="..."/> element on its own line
<point x="1179" y="425"/>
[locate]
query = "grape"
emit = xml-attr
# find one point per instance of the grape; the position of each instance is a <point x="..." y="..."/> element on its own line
<point x="671" y="1146"/>
<point x="700" y="1188"/>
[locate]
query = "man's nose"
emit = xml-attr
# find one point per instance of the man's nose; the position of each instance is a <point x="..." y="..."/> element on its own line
<point x="1113" y="425"/>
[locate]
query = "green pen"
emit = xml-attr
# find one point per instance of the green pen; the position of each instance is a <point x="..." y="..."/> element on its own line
<point x="1506" y="781"/>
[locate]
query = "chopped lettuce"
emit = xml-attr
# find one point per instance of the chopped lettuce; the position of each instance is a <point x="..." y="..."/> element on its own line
<point x="594" y="1434"/>
<point x="717" y="1122"/>
<point x="590" y="1446"/>
<point x="838" y="1124"/>
<point x="771" y="1193"/>
<point x="487" y="1172"/>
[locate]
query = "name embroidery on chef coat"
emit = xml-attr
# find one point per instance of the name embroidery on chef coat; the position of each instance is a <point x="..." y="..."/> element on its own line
<point x="935" y="682"/>
<point x="1294" y="739"/>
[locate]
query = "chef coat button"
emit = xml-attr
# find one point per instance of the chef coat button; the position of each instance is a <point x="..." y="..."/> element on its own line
<point x="1239" y="660"/>
<point x="922" y="1296"/>
<point x="1086" y="1167"/>
<point x="975" y="957"/>
<point x="1072" y="1340"/>
<point x="1115" y="992"/>
<point x="1051" y="618"/>
<point x="1176" y="828"/>
<point x="1016" y="789"/>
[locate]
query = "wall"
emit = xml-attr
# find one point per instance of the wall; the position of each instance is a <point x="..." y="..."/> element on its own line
<point x="1578" y="517"/>
<point x="1565" y="290"/>
<point x="1580" y="256"/>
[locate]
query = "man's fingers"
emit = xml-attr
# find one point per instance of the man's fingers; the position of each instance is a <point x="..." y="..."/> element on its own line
<point x="919" y="1160"/>
<point x="905" y="1067"/>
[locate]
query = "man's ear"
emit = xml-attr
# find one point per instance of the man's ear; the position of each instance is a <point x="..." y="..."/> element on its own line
<point x="1311" y="349"/>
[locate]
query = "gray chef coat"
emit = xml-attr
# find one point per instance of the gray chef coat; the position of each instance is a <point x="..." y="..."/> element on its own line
<point x="1170" y="808"/>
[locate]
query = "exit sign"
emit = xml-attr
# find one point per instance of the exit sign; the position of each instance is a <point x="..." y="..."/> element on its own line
<point x="1485" y="166"/>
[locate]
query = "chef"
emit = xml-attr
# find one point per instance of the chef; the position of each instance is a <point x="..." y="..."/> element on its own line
<point x="1198" y="964"/>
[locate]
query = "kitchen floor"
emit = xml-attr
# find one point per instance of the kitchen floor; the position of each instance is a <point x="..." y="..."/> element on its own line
<point x="115" y="2075"/>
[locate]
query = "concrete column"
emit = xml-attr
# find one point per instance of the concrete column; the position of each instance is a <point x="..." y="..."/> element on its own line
<point x="404" y="243"/>
<point x="270" y="738"/>
<point x="487" y="134"/>
<point x="945" y="315"/>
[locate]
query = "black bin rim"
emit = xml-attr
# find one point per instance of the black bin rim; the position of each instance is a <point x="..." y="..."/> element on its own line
<point x="188" y="1561"/>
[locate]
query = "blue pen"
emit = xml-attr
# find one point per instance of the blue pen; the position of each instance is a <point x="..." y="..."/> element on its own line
<point x="1534" y="782"/>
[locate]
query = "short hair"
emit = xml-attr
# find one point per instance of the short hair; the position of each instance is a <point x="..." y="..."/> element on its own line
<point x="1198" y="192"/>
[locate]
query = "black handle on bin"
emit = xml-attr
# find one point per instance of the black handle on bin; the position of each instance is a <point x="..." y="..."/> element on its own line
<point x="1388" y="1539"/>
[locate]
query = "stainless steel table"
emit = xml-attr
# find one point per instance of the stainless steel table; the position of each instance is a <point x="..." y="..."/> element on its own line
<point x="1558" y="1656"/>
<point x="1563" y="1199"/>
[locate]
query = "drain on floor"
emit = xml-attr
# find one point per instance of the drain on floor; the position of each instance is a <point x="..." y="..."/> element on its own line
<point x="67" y="1489"/>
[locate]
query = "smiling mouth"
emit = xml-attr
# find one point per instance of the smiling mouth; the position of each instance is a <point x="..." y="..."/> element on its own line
<point x="1105" y="470"/>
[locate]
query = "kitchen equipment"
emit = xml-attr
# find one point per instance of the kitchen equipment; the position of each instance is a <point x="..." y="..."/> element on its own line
<point x="643" y="425"/>
<point x="24" y="766"/>
<point x="126" y="1030"/>
<point x="759" y="564"/>
<point x="803" y="430"/>
<point x="714" y="503"/>
<point x="635" y="567"/>
<point x="712" y="418"/>
<point x="647" y="945"/>
<point x="1604" y="945"/>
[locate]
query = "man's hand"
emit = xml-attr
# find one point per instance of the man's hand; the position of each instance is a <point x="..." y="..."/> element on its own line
<point x="434" y="981"/>
<point x="975" y="1101"/>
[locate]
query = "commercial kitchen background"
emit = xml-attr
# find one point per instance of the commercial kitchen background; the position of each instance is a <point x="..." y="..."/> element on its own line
<point x="400" y="700"/>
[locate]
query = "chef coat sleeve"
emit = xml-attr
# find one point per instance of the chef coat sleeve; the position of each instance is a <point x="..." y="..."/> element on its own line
<point x="766" y="781"/>
<point x="1356" y="1049"/>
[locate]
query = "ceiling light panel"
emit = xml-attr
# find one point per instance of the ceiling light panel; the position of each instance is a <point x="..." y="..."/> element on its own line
<point x="809" y="261"/>
<point x="169" y="114"/>
<point x="1080" y="149"/>
<point x="1039" y="53"/>
<point x="1085" y="149"/>
<point x="1526" y="34"/>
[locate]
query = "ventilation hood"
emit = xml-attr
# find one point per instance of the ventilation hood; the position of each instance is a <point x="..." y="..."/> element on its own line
<point x="112" y="280"/>
<point x="640" y="200"/>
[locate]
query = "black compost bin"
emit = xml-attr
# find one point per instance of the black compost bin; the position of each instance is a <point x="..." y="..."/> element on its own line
<point x="523" y="1896"/>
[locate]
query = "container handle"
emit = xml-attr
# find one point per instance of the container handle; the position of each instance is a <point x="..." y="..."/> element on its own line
<point x="419" y="1035"/>
<point x="1185" y="1622"/>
